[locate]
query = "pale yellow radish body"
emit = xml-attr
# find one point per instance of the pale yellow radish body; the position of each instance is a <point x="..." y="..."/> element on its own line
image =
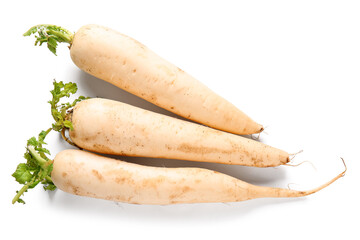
<point x="128" y="64"/>
<point x="87" y="174"/>
<point x="112" y="127"/>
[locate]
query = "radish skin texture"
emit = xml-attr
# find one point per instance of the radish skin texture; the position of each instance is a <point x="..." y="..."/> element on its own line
<point x="128" y="64"/>
<point x="87" y="174"/>
<point x="111" y="127"/>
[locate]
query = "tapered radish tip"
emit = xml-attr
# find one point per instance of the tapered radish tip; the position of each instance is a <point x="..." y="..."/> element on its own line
<point x="343" y="173"/>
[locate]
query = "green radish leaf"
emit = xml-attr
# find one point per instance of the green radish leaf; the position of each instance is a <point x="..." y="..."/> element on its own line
<point x="49" y="186"/>
<point x="43" y="150"/>
<point x="31" y="31"/>
<point x="33" y="142"/>
<point x="22" y="173"/>
<point x="51" y="34"/>
<point x="42" y="136"/>
<point x="52" y="49"/>
<point x="68" y="124"/>
<point x="20" y="201"/>
<point x="59" y="111"/>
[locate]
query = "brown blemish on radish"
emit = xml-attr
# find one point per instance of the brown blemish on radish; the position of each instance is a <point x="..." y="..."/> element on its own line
<point x="120" y="176"/>
<point x="179" y="193"/>
<point x="102" y="148"/>
<point x="120" y="179"/>
<point x="188" y="148"/>
<point x="153" y="98"/>
<point x="153" y="182"/>
<point x="97" y="175"/>
<point x="186" y="189"/>
<point x="72" y="134"/>
<point x="74" y="189"/>
<point x="257" y="161"/>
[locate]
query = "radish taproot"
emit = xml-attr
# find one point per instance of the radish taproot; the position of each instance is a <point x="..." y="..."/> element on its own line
<point x="128" y="64"/>
<point x="87" y="174"/>
<point x="111" y="127"/>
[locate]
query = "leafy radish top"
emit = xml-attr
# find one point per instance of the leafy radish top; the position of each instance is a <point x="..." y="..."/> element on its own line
<point x="38" y="166"/>
<point x="51" y="34"/>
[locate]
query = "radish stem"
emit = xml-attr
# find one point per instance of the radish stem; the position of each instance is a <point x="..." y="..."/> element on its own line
<point x="51" y="34"/>
<point x="20" y="192"/>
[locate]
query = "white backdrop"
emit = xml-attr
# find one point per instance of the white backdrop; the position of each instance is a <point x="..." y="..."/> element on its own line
<point x="291" y="65"/>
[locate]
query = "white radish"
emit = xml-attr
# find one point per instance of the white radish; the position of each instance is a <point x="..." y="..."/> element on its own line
<point x="86" y="174"/>
<point x="128" y="64"/>
<point x="112" y="127"/>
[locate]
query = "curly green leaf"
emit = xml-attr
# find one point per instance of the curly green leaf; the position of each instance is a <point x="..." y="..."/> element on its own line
<point x="36" y="169"/>
<point x="50" y="34"/>
<point x="38" y="166"/>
